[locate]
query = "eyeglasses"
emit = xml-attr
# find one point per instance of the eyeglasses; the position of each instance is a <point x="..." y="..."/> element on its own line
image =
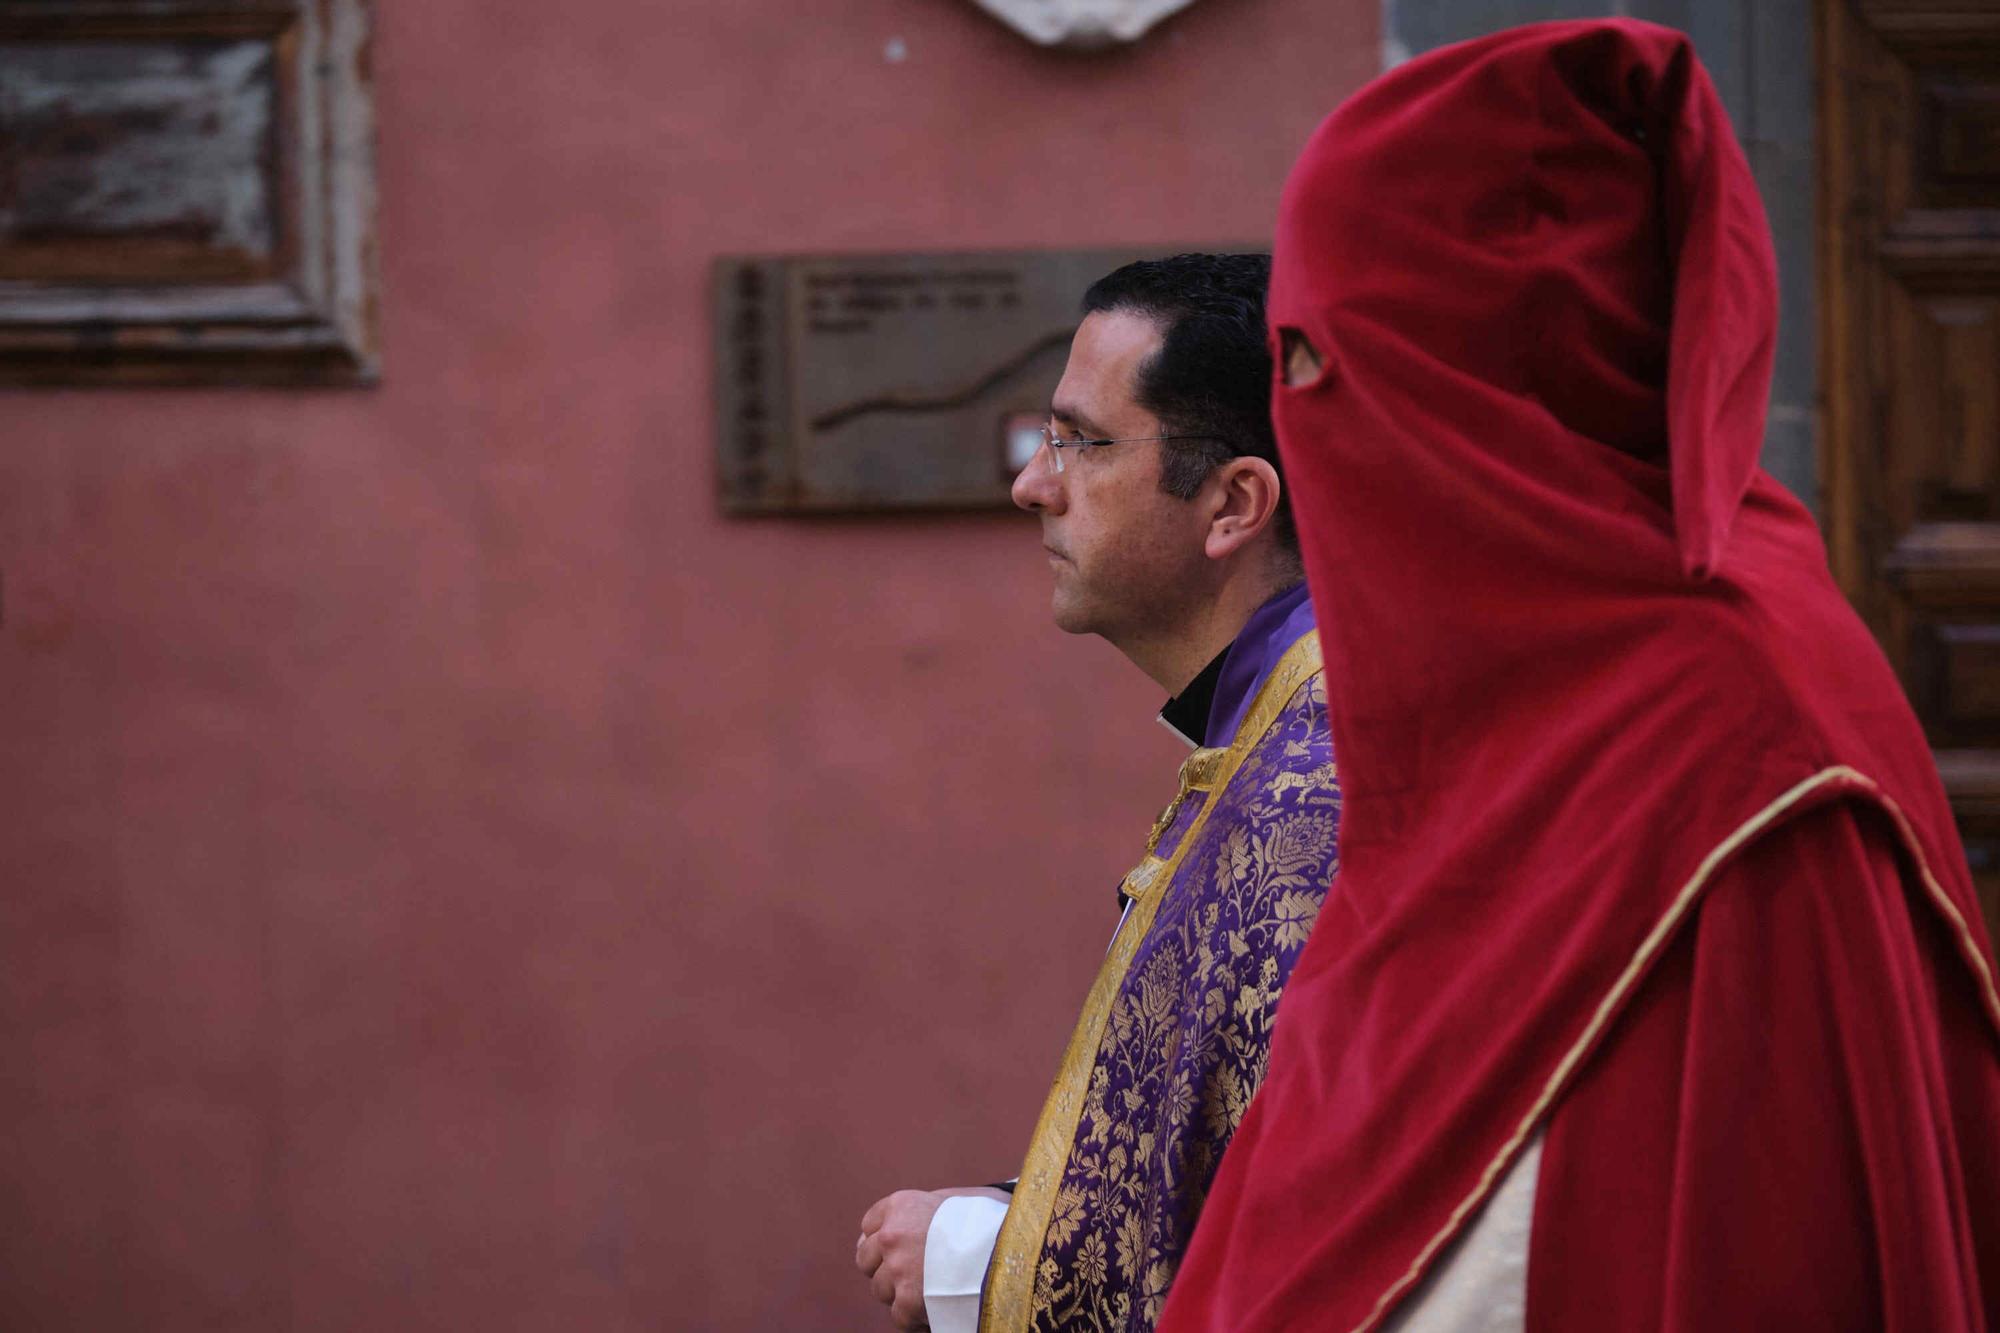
<point x="1056" y="443"/>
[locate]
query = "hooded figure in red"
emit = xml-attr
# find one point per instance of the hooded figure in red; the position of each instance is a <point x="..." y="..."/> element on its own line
<point x="1647" y="875"/>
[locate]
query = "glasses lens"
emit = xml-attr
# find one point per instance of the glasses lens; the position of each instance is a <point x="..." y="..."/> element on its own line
<point x="1050" y="439"/>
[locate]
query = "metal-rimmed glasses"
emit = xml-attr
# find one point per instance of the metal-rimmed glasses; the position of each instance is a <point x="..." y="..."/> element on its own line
<point x="1056" y="443"/>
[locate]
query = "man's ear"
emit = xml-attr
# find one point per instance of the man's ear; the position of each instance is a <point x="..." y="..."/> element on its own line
<point x="1243" y="494"/>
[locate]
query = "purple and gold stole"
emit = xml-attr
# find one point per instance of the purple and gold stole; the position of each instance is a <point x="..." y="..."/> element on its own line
<point x="1173" y="1037"/>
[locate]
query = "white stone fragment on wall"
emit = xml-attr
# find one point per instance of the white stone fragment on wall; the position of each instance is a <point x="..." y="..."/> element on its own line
<point x="1081" y="23"/>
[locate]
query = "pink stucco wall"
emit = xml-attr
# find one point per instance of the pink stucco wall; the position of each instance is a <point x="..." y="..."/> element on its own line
<point x="450" y="877"/>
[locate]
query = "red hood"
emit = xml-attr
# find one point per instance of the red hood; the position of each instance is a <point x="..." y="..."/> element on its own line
<point x="1580" y="649"/>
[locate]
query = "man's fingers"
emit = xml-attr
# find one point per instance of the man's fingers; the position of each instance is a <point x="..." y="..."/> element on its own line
<point x="891" y="1253"/>
<point x="907" y="1313"/>
<point x="868" y="1255"/>
<point x="872" y="1219"/>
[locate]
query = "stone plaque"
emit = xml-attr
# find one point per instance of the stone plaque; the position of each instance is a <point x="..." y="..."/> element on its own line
<point x="185" y="192"/>
<point x="885" y="382"/>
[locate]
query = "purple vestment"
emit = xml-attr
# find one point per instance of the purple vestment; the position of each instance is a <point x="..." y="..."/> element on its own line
<point x="1173" y="1038"/>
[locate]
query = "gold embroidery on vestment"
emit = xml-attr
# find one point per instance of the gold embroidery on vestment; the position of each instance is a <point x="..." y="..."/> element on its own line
<point x="1024" y="1282"/>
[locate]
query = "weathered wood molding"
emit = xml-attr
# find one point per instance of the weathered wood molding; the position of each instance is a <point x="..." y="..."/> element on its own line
<point x="189" y="193"/>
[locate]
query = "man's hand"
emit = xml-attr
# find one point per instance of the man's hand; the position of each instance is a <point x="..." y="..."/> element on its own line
<point x="890" y="1253"/>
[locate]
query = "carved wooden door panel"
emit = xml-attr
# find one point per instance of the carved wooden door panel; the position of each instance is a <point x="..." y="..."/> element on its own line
<point x="1910" y="363"/>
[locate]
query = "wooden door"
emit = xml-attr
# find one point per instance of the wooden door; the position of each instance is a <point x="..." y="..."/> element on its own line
<point x="1910" y="366"/>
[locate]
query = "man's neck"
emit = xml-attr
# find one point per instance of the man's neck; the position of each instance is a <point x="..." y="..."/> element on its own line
<point x="1175" y="658"/>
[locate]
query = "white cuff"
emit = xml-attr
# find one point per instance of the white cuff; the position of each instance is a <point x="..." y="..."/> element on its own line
<point x="957" y="1249"/>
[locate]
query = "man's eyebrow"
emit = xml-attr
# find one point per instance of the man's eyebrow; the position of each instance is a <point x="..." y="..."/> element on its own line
<point x="1071" y="417"/>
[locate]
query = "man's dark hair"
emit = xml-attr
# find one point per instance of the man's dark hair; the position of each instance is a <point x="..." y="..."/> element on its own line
<point x="1212" y="374"/>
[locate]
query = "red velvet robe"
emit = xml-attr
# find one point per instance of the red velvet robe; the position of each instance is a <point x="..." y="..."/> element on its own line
<point x="1686" y="1186"/>
<point x="1642" y="848"/>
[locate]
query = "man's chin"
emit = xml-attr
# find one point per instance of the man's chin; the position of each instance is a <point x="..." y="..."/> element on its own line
<point x="1071" y="618"/>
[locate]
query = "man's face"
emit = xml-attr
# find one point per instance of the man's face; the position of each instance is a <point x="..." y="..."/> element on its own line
<point x="1127" y="557"/>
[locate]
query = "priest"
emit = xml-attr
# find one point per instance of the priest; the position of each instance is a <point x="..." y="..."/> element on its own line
<point x="1164" y="516"/>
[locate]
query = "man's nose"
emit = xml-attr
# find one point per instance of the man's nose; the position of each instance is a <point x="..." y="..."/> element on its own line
<point x="1037" y="488"/>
